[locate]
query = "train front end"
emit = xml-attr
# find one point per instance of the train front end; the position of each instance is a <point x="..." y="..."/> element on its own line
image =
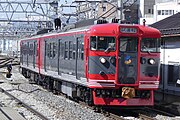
<point x="122" y="70"/>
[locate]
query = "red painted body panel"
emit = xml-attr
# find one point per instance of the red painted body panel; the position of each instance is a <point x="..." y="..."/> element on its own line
<point x="105" y="77"/>
<point x="123" y="101"/>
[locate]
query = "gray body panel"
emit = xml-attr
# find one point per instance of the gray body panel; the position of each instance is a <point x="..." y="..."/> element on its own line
<point x="95" y="66"/>
<point x="28" y="54"/>
<point x="148" y="70"/>
<point x="67" y="58"/>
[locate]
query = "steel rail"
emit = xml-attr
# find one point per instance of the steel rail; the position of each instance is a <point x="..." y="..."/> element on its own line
<point x="163" y="112"/>
<point x="145" y="117"/>
<point x="24" y="105"/>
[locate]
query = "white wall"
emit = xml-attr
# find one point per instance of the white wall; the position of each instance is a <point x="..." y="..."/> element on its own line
<point x="164" y="6"/>
<point x="145" y="6"/>
<point x="170" y="55"/>
<point x="165" y="9"/>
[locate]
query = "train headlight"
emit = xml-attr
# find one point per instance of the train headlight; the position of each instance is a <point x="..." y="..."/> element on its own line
<point x="102" y="60"/>
<point x="152" y="61"/>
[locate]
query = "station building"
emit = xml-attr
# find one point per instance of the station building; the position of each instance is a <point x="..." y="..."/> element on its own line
<point x="155" y="10"/>
<point x="169" y="90"/>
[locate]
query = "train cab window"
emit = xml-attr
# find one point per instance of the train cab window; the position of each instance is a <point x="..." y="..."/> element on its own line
<point x="150" y="45"/>
<point x="102" y="43"/>
<point x="128" y="44"/>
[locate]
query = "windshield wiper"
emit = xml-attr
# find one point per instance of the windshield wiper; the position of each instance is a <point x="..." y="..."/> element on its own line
<point x="123" y="44"/>
<point x="108" y="49"/>
<point x="147" y="50"/>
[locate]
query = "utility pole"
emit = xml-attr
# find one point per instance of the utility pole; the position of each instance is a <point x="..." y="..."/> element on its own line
<point x="120" y="10"/>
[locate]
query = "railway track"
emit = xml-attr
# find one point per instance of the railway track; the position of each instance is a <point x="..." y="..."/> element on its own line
<point x="110" y="114"/>
<point x="24" y="105"/>
<point x="6" y="60"/>
<point x="148" y="113"/>
<point x="145" y="113"/>
<point x="145" y="117"/>
<point x="159" y="111"/>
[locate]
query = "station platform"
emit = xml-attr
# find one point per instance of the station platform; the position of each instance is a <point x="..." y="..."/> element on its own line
<point x="16" y="77"/>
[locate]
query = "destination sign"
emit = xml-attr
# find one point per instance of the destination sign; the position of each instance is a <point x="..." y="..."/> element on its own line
<point x="128" y="30"/>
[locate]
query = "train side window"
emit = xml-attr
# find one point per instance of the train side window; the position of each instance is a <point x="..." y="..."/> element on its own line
<point x="61" y="49"/>
<point x="23" y="49"/>
<point x="74" y="50"/>
<point x="31" y="49"/>
<point x="27" y="50"/>
<point x="54" y="51"/>
<point x="82" y="50"/>
<point x="66" y="51"/>
<point x="27" y="47"/>
<point x="70" y="50"/>
<point x="78" y="50"/>
<point x="35" y="49"/>
<point x="50" y="50"/>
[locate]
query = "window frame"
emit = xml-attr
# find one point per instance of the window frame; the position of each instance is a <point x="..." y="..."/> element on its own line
<point x="134" y="51"/>
<point x="96" y="43"/>
<point x="158" y="41"/>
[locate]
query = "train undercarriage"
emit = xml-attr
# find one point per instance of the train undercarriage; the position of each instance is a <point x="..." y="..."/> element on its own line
<point x="92" y="96"/>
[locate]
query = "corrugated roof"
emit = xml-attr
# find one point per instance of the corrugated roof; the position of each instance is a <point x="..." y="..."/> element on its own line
<point x="169" y="25"/>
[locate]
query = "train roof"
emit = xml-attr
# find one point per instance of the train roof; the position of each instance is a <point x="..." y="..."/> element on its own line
<point x="104" y="29"/>
<point x="53" y="33"/>
<point x="113" y="28"/>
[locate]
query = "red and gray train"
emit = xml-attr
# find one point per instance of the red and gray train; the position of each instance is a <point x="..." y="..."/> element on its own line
<point x="103" y="64"/>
